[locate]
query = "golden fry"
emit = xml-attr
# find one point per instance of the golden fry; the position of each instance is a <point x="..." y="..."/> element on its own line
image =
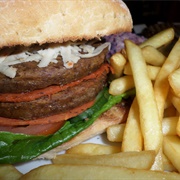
<point x="132" y="138"/>
<point x="117" y="62"/>
<point x="174" y="81"/>
<point x="178" y="127"/>
<point x="137" y="160"/>
<point x="149" y="115"/>
<point x="95" y="172"/>
<point x="169" y="125"/>
<point x="121" y="85"/>
<point x="8" y="171"/>
<point x="171" y="147"/>
<point x="153" y="56"/>
<point x="93" y="149"/>
<point x="152" y="71"/>
<point x="159" y="39"/>
<point x="161" y="85"/>
<point x="115" y="132"/>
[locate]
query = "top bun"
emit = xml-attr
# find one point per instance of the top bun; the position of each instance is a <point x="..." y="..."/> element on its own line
<point x="28" y="22"/>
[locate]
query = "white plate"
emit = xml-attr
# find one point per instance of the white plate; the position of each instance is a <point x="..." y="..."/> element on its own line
<point x="26" y="167"/>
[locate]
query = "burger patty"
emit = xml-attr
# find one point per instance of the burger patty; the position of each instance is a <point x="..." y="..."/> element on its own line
<point x="63" y="101"/>
<point x="30" y="77"/>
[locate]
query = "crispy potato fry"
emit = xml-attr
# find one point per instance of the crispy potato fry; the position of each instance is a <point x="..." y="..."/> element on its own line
<point x="161" y="85"/>
<point x="115" y="132"/>
<point x="121" y="85"/>
<point x="152" y="71"/>
<point x="159" y="39"/>
<point x="8" y="171"/>
<point x="117" y="62"/>
<point x="174" y="81"/>
<point x="132" y="138"/>
<point x="127" y="69"/>
<point x="169" y="125"/>
<point x="153" y="56"/>
<point x="137" y="160"/>
<point x="171" y="147"/>
<point x="149" y="115"/>
<point x="178" y="127"/>
<point x="95" y="172"/>
<point x="168" y="165"/>
<point x="175" y="101"/>
<point x="93" y="149"/>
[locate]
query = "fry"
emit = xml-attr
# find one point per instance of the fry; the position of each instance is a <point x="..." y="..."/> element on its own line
<point x="168" y="165"/>
<point x="121" y="85"/>
<point x="161" y="85"/>
<point x="178" y="127"/>
<point x="159" y="39"/>
<point x="117" y="62"/>
<point x="152" y="71"/>
<point x="93" y="149"/>
<point x="169" y="125"/>
<point x="149" y="116"/>
<point x="137" y="160"/>
<point x="115" y="132"/>
<point x="153" y="56"/>
<point x="8" y="171"/>
<point x="95" y="172"/>
<point x="132" y="138"/>
<point x="175" y="101"/>
<point x="174" y="81"/>
<point x="171" y="147"/>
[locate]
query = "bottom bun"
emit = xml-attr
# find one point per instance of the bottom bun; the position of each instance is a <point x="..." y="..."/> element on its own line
<point x="115" y="115"/>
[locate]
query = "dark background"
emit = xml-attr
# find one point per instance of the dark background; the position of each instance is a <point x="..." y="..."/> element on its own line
<point x="151" y="12"/>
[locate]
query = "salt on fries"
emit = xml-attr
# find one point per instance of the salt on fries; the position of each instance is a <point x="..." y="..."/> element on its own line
<point x="150" y="138"/>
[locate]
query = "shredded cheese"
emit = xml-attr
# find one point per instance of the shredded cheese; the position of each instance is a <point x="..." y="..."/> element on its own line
<point x="70" y="54"/>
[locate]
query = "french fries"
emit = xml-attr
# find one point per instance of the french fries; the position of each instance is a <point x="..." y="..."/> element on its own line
<point x="171" y="148"/>
<point x="132" y="138"/>
<point x="121" y="85"/>
<point x="169" y="125"/>
<point x="160" y="39"/>
<point x="161" y="85"/>
<point x="117" y="62"/>
<point x="174" y="81"/>
<point x="93" y="149"/>
<point x="152" y="71"/>
<point x="137" y="160"/>
<point x="168" y="166"/>
<point x="8" y="171"/>
<point x="153" y="56"/>
<point x="95" y="172"/>
<point x="149" y="120"/>
<point x="115" y="132"/>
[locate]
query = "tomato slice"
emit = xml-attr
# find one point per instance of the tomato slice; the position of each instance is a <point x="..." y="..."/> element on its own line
<point x="40" y="129"/>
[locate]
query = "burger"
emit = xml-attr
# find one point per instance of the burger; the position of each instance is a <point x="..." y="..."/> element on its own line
<point x="54" y="74"/>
